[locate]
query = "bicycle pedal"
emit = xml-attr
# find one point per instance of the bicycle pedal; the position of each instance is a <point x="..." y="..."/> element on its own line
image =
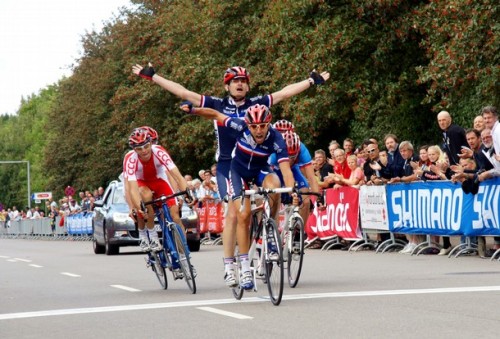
<point x="178" y="274"/>
<point x="260" y="276"/>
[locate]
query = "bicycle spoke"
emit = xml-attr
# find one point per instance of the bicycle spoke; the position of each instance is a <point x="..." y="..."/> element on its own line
<point x="157" y="267"/>
<point x="274" y="263"/>
<point x="184" y="260"/>
<point x="295" y="251"/>
<point x="237" y="290"/>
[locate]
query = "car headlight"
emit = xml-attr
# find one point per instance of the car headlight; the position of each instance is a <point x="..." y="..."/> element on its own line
<point x="122" y="218"/>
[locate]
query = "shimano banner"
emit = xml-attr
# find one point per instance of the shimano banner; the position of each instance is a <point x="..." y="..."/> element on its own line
<point x="484" y="213"/>
<point x="436" y="208"/>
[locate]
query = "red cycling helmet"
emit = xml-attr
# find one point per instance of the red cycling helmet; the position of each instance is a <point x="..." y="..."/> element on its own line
<point x="258" y="114"/>
<point x="283" y="125"/>
<point x="152" y="133"/>
<point x="234" y="73"/>
<point x="292" y="141"/>
<point x="139" y="137"/>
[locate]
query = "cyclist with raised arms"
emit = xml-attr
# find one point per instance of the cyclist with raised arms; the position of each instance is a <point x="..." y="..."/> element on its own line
<point x="301" y="166"/>
<point x="237" y="84"/>
<point x="255" y="142"/>
<point x="148" y="172"/>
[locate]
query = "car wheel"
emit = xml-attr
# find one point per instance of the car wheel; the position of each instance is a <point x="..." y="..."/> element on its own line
<point x="98" y="249"/>
<point x="110" y="248"/>
<point x="194" y="245"/>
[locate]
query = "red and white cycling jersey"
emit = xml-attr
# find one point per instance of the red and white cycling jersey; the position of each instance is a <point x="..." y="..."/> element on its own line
<point x="155" y="168"/>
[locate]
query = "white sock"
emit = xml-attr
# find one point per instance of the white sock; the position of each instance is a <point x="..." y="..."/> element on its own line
<point x="228" y="264"/>
<point x="153" y="234"/>
<point x="245" y="263"/>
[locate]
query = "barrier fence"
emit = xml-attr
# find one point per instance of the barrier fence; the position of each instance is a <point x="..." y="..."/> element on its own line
<point x="76" y="227"/>
<point x="437" y="208"/>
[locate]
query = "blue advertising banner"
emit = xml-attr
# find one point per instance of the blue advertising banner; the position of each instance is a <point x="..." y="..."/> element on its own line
<point x="435" y="208"/>
<point x="484" y="212"/>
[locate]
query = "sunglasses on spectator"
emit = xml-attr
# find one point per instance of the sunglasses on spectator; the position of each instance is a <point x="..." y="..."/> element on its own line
<point x="142" y="148"/>
<point x="260" y="126"/>
<point x="370" y="151"/>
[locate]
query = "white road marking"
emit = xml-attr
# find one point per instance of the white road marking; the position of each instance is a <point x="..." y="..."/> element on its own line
<point x="126" y="288"/>
<point x="34" y="265"/>
<point x="11" y="260"/>
<point x="226" y="313"/>
<point x="71" y="274"/>
<point x="23" y="260"/>
<point x="199" y="303"/>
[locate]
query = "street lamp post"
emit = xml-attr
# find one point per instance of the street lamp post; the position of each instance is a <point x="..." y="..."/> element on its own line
<point x="28" y="168"/>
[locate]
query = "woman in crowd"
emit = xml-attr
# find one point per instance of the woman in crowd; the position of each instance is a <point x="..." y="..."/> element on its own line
<point x="437" y="170"/>
<point x="357" y="176"/>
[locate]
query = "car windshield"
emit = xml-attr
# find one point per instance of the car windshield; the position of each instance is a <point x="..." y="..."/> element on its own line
<point x="119" y="196"/>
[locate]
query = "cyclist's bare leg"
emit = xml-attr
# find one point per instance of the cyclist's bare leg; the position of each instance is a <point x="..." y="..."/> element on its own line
<point x="229" y="233"/>
<point x="242" y="230"/>
<point x="229" y="244"/>
<point x="174" y="213"/>
<point x="147" y="195"/>
<point x="305" y="209"/>
<point x="272" y="181"/>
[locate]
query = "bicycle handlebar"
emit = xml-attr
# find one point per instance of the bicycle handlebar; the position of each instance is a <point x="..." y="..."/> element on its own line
<point x="311" y="193"/>
<point x="265" y="191"/>
<point x="164" y="198"/>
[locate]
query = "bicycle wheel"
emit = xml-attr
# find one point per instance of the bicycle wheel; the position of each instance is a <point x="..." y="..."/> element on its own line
<point x="237" y="291"/>
<point x="184" y="261"/>
<point x="295" y="252"/>
<point x="274" y="263"/>
<point x="157" y="267"/>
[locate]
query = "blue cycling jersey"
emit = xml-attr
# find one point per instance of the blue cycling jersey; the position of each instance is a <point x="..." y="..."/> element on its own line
<point x="249" y="157"/>
<point x="226" y="138"/>
<point x="303" y="158"/>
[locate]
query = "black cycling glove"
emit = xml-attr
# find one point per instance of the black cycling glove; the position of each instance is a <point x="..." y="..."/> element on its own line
<point x="315" y="78"/>
<point x="147" y="72"/>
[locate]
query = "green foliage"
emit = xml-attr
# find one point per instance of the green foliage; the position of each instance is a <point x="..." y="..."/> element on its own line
<point x="394" y="64"/>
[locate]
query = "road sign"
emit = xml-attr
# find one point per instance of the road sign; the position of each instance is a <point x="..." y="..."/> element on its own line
<point x="41" y="196"/>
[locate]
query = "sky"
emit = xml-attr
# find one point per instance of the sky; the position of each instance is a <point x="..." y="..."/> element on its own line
<point x="41" y="39"/>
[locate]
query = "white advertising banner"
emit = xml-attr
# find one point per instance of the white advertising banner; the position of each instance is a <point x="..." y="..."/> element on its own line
<point x="373" y="208"/>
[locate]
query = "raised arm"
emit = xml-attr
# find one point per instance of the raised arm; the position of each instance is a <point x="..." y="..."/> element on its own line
<point x="290" y="90"/>
<point x="207" y="113"/>
<point x="173" y="87"/>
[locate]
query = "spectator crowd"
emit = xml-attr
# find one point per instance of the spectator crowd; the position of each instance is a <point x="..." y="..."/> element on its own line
<point x="64" y="207"/>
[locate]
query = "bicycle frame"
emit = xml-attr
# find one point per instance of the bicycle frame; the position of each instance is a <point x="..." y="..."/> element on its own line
<point x="292" y="236"/>
<point x="166" y="224"/>
<point x="291" y="212"/>
<point x="262" y="265"/>
<point x="169" y="257"/>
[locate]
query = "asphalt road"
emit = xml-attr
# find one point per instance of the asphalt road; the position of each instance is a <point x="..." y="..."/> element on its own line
<point x="61" y="289"/>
